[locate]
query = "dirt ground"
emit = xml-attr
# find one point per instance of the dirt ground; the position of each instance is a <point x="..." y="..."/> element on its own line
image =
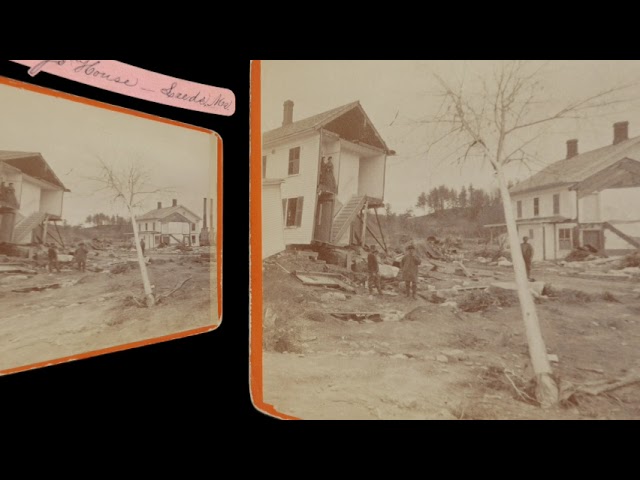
<point x="433" y="361"/>
<point x="93" y="310"/>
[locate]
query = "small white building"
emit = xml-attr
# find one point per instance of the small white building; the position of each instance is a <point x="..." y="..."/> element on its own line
<point x="31" y="197"/>
<point x="169" y="226"/>
<point x="585" y="199"/>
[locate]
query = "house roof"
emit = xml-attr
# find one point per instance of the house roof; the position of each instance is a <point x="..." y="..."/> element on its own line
<point x="160" y="213"/>
<point x="580" y="167"/>
<point x="316" y="122"/>
<point x="32" y="164"/>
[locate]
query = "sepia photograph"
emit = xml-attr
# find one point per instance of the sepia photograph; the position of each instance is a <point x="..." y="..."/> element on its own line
<point x="450" y="240"/>
<point x="108" y="228"/>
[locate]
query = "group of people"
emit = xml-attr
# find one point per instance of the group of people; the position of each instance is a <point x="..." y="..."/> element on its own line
<point x="327" y="178"/>
<point x="408" y="266"/>
<point x="8" y="194"/>
<point x="79" y="257"/>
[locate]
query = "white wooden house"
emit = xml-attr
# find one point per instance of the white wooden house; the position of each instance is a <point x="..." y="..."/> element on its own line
<point x="590" y="198"/>
<point x="31" y="199"/>
<point x="314" y="210"/>
<point x="169" y="226"/>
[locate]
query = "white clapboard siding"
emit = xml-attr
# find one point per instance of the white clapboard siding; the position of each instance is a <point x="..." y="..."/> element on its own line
<point x="304" y="184"/>
<point x="272" y="222"/>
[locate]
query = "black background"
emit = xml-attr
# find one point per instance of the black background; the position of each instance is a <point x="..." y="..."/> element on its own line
<point x="197" y="382"/>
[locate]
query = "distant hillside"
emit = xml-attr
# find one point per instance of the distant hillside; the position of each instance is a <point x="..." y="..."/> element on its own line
<point x="110" y="233"/>
<point x="457" y="221"/>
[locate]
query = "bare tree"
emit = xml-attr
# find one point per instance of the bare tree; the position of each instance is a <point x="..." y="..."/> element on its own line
<point x="130" y="185"/>
<point x="497" y="121"/>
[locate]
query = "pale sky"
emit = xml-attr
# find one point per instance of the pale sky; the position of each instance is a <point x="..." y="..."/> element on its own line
<point x="70" y="135"/>
<point x="395" y="94"/>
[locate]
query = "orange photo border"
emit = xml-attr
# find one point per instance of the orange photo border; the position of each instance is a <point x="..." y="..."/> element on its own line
<point x="255" y="215"/>
<point x="115" y="108"/>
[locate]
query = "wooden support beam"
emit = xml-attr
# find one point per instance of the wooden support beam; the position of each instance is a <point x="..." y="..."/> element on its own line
<point x="386" y="250"/>
<point x="364" y="222"/>
<point x="45" y="224"/>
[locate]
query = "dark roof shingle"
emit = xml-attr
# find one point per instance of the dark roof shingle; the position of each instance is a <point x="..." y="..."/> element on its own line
<point x="580" y="167"/>
<point x="160" y="213"/>
<point x="33" y="164"/>
<point x="308" y="123"/>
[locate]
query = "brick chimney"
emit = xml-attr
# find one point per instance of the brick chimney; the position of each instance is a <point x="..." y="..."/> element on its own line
<point x="175" y="202"/>
<point x="287" y="118"/>
<point x="159" y="205"/>
<point x="204" y="215"/>
<point x="620" y="132"/>
<point x="572" y="148"/>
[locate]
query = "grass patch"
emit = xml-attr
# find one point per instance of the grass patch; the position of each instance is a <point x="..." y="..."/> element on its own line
<point x="631" y="260"/>
<point x="479" y="301"/>
<point x="567" y="295"/>
<point x="610" y="297"/>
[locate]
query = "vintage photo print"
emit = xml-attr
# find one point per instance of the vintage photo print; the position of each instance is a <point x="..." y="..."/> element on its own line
<point x="109" y="229"/>
<point x="446" y="239"/>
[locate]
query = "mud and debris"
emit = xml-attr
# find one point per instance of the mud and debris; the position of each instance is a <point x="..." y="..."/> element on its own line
<point x="458" y="350"/>
<point x="46" y="316"/>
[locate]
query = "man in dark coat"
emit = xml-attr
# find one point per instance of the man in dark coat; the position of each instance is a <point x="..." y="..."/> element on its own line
<point x="53" y="258"/>
<point x="80" y="257"/>
<point x="409" y="266"/>
<point x="374" y="270"/>
<point x="142" y="246"/>
<point x="527" y="254"/>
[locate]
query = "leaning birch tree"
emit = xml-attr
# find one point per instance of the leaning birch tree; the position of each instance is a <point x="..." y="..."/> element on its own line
<point x="130" y="185"/>
<point x="496" y="117"/>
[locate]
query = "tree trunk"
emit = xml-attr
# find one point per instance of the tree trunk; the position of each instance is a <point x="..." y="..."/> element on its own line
<point x="143" y="266"/>
<point x="546" y="388"/>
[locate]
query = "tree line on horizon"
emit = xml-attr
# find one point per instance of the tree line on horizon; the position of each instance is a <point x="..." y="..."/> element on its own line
<point x="99" y="219"/>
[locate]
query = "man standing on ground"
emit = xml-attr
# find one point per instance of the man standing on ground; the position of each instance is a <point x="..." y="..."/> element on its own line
<point x="527" y="254"/>
<point x="142" y="246"/>
<point x="81" y="257"/>
<point x="409" y="266"/>
<point x="53" y="258"/>
<point x="374" y="270"/>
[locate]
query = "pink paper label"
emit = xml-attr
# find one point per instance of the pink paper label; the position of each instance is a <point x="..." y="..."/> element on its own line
<point x="140" y="83"/>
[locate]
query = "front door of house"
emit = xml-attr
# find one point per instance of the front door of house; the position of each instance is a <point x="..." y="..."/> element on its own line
<point x="593" y="238"/>
<point x="324" y="217"/>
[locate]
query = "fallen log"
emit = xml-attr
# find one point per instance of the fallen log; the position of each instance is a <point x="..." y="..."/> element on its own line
<point x="609" y="387"/>
<point x="37" y="288"/>
<point x="463" y="268"/>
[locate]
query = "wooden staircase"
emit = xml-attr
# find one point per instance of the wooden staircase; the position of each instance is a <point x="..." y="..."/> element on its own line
<point x="26" y="226"/>
<point x="346" y="215"/>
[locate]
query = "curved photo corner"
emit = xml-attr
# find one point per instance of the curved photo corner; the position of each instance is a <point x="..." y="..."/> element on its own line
<point x="110" y="228"/>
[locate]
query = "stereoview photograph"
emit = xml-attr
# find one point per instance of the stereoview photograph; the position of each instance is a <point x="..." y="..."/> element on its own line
<point x="107" y="228"/>
<point x="451" y="239"/>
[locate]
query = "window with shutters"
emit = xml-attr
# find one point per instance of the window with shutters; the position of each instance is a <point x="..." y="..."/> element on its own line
<point x="292" y="209"/>
<point x="519" y="208"/>
<point x="294" y="161"/>
<point x="536" y="207"/>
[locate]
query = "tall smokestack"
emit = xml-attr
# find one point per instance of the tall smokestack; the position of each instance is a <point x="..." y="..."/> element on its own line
<point x="287" y="117"/>
<point x="159" y="205"/>
<point x="211" y="222"/>
<point x="175" y="202"/>
<point x="572" y="148"/>
<point x="204" y="215"/>
<point x="620" y="132"/>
